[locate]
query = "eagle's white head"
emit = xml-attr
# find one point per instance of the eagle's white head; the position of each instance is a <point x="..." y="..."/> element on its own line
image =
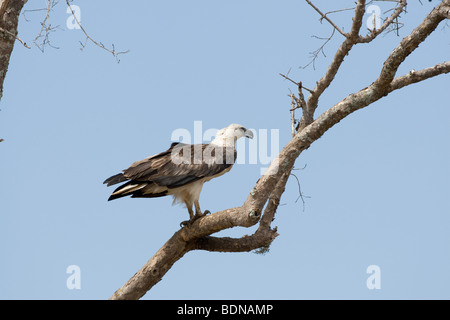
<point x="228" y="136"/>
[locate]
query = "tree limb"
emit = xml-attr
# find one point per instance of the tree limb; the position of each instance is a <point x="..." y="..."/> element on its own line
<point x="409" y="44"/>
<point x="417" y="76"/>
<point x="16" y="37"/>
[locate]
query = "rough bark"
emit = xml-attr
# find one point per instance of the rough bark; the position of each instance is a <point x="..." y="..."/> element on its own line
<point x="270" y="187"/>
<point x="9" y="16"/>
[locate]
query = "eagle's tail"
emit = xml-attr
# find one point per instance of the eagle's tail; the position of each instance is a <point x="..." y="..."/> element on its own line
<point x="137" y="189"/>
<point x="115" y="179"/>
<point x="126" y="189"/>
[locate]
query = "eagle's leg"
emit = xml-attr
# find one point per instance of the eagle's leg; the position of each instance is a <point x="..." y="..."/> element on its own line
<point x="191" y="216"/>
<point x="198" y="212"/>
<point x="191" y="212"/>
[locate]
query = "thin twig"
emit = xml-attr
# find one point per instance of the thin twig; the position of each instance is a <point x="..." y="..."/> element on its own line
<point x="88" y="38"/>
<point x="324" y="16"/>
<point x="46" y="27"/>
<point x="31" y="10"/>
<point x="300" y="196"/>
<point x="339" y="10"/>
<point x="16" y="37"/>
<point x="316" y="52"/>
<point x="296" y="83"/>
<point x="287" y="78"/>
<point x="43" y="23"/>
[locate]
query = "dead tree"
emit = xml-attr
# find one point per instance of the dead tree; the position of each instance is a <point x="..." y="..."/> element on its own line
<point x="263" y="199"/>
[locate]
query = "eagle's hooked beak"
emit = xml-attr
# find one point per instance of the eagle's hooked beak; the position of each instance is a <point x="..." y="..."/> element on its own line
<point x="249" y="134"/>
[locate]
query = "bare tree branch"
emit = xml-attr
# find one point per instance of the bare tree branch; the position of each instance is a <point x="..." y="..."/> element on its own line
<point x="16" y="37"/>
<point x="417" y="76"/>
<point x="296" y="83"/>
<point x="324" y="16"/>
<point x="409" y="44"/>
<point x="316" y="52"/>
<point x="89" y="38"/>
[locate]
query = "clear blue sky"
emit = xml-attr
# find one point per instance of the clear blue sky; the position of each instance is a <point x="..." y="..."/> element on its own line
<point x="378" y="182"/>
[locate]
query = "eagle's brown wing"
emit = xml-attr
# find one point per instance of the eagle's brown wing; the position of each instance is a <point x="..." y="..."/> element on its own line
<point x="178" y="166"/>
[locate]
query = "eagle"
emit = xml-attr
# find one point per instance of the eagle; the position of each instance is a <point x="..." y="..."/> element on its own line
<point x="181" y="170"/>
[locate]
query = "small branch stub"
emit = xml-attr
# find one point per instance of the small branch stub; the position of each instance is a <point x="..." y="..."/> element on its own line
<point x="253" y="214"/>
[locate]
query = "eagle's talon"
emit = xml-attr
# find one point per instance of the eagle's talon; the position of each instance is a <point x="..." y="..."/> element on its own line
<point x="190" y="221"/>
<point x="195" y="217"/>
<point x="185" y="223"/>
<point x="200" y="214"/>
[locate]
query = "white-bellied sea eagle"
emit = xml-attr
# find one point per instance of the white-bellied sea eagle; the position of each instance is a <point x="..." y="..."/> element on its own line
<point x="181" y="170"/>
